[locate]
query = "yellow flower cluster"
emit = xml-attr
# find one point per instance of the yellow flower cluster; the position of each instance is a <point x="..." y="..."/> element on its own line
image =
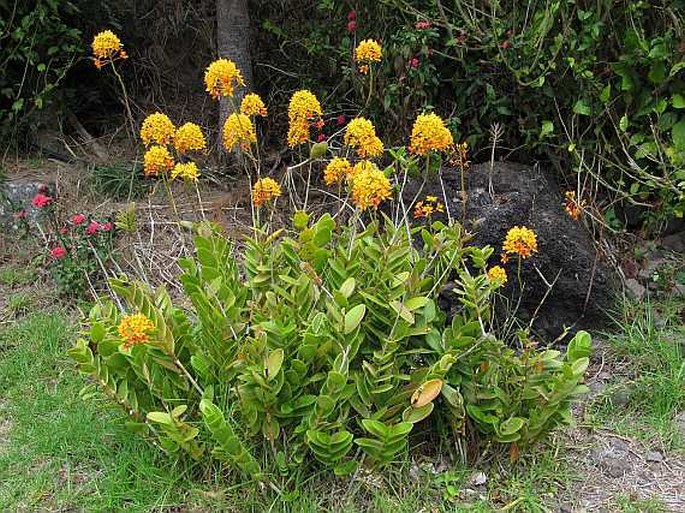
<point x="186" y="171"/>
<point x="252" y="105"/>
<point x="158" y="129"/>
<point x="157" y="160"/>
<point x="265" y="189"/>
<point x="360" y="135"/>
<point x="238" y="131"/>
<point x="429" y="133"/>
<point x="304" y="108"/>
<point x="189" y="137"/>
<point x="367" y="52"/>
<point x="427" y="208"/>
<point x="107" y="47"/>
<point x="520" y="241"/>
<point x="135" y="329"/>
<point x="221" y="78"/>
<point x="497" y="275"/>
<point x="370" y="186"/>
<point x="336" y="171"/>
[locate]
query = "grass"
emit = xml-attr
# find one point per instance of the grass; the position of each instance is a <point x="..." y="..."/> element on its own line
<point x="649" y="348"/>
<point x="13" y="277"/>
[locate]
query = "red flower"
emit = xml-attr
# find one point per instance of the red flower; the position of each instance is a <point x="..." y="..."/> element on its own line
<point x="106" y="227"/>
<point x="422" y="25"/>
<point x="58" y="252"/>
<point x="321" y="138"/>
<point x="352" y="15"/>
<point x="78" y="219"/>
<point x="92" y="228"/>
<point x="340" y="120"/>
<point x="352" y="26"/>
<point x="40" y="200"/>
<point x="20" y="215"/>
<point x="64" y="230"/>
<point x="504" y="45"/>
<point x="320" y="124"/>
<point x="414" y="63"/>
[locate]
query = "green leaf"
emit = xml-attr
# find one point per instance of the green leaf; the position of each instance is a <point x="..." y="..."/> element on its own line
<point x="511" y="426"/>
<point x="547" y="129"/>
<point x="160" y="417"/>
<point x="347" y="288"/>
<point x="353" y="318"/>
<point x="273" y="363"/>
<point x="414" y="415"/>
<point x="678" y="101"/>
<point x="678" y="134"/>
<point x="623" y="123"/>
<point x="582" y="107"/>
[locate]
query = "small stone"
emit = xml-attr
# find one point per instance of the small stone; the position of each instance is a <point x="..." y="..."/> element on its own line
<point x="654" y="456"/>
<point x="675" y="242"/>
<point x="479" y="479"/>
<point x="620" y="397"/>
<point x="635" y="290"/>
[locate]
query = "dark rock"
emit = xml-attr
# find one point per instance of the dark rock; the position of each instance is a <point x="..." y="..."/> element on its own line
<point x="613" y="460"/>
<point x="674" y="242"/>
<point x="635" y="289"/>
<point x="654" y="457"/>
<point x="528" y="196"/>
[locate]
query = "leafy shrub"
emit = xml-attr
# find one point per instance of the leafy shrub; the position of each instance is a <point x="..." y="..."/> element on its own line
<point x="319" y="340"/>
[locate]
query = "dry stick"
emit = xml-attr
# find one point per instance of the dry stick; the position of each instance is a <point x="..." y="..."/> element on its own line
<point x="550" y="286"/>
<point x="444" y="195"/>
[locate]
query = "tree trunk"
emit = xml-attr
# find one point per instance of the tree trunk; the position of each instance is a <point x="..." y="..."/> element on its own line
<point x="233" y="42"/>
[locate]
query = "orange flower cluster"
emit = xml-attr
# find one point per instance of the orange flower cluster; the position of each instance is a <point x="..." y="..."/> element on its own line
<point x="429" y="133"/>
<point x="573" y="207"/>
<point x="157" y="129"/>
<point x="265" y="189"/>
<point x="370" y="186"/>
<point x="366" y="53"/>
<point x="252" y="105"/>
<point x="360" y="134"/>
<point x="336" y="171"/>
<point x="222" y="77"/>
<point x="428" y="207"/>
<point x="135" y="329"/>
<point x="520" y="241"/>
<point x="157" y="160"/>
<point x="303" y="111"/>
<point x="107" y="48"/>
<point x="497" y="275"/>
<point x="189" y="137"/>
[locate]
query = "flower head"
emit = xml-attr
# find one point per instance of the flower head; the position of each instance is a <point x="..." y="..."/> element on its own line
<point x="41" y="200"/>
<point x="303" y="111"/>
<point x="429" y="133"/>
<point x="238" y="131"/>
<point x="265" y="189"/>
<point x="106" y="227"/>
<point x="157" y="160"/>
<point x="78" y="219"/>
<point x="221" y="78"/>
<point x="135" y="329"/>
<point x="497" y="275"/>
<point x="158" y="129"/>
<point x="370" y="186"/>
<point x="428" y="207"/>
<point x="252" y="105"/>
<point x="107" y="47"/>
<point x="189" y="137"/>
<point x="58" y="252"/>
<point x="521" y="241"/>
<point x="187" y="171"/>
<point x="367" y="52"/>
<point x="360" y="134"/>
<point x="422" y="25"/>
<point x="573" y="207"/>
<point x="92" y="228"/>
<point x="336" y="170"/>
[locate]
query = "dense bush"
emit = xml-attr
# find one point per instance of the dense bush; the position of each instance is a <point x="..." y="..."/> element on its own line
<point x="595" y="87"/>
<point x="320" y="340"/>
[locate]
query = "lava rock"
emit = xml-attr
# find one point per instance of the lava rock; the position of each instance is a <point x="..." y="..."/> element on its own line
<point x="585" y="288"/>
<point x="16" y="197"/>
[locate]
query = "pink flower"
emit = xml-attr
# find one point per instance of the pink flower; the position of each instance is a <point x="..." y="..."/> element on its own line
<point x="321" y="138"/>
<point x="64" y="230"/>
<point x="40" y="200"/>
<point x="352" y="26"/>
<point x="422" y="25"/>
<point x="340" y="120"/>
<point x="58" y="252"/>
<point x="106" y="227"/>
<point x="414" y="63"/>
<point x="92" y="228"/>
<point x="78" y="219"/>
<point x="352" y="15"/>
<point x="20" y="215"/>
